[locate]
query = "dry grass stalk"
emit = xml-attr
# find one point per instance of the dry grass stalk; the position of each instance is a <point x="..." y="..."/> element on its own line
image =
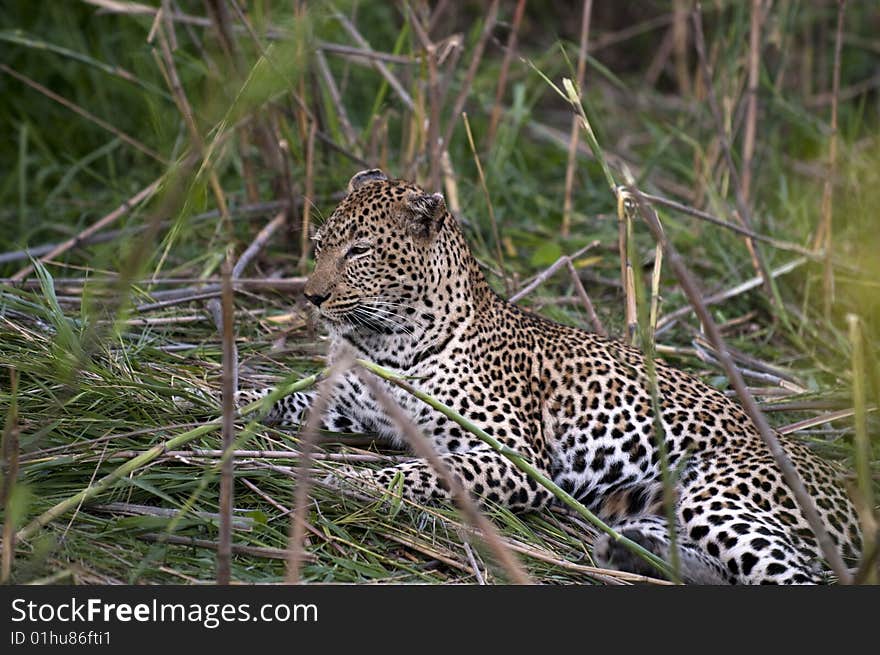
<point x="348" y="132"/>
<point x="824" y="236"/>
<point x="377" y="63"/>
<point x="742" y="207"/>
<point x="627" y="277"/>
<point x="169" y="70"/>
<point x="496" y="236"/>
<point x="476" y="58"/>
<point x="790" y="474"/>
<point x="509" y="51"/>
<point x="679" y="44"/>
<point x="193" y="542"/>
<point x="230" y="365"/>
<point x="779" y="244"/>
<point x="864" y="499"/>
<point x="308" y="436"/>
<point x="575" y="120"/>
<point x="598" y="328"/>
<point x="423" y="448"/>
<point x="748" y="149"/>
<point x="309" y="200"/>
<point x="434" y="147"/>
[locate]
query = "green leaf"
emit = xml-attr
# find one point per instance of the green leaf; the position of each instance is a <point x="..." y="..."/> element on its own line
<point x="546" y="254"/>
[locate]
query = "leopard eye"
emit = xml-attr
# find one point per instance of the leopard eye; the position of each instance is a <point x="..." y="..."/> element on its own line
<point x="357" y="249"/>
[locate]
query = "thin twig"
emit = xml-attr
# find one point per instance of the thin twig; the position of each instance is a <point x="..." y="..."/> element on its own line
<point x="544" y="275"/>
<point x="364" y="53"/>
<point x="435" y="148"/>
<point x="351" y="138"/>
<point x="376" y="63"/>
<point x="706" y="216"/>
<point x="309" y="195"/>
<point x="748" y="285"/>
<point x="100" y="224"/>
<point x="258" y="244"/>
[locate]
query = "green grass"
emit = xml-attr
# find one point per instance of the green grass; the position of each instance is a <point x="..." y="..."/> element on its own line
<point x="100" y="381"/>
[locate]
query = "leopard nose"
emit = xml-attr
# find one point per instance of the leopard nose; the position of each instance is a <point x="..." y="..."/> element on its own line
<point x="317" y="298"/>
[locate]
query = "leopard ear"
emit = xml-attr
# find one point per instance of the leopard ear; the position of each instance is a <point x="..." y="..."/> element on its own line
<point x="425" y="215"/>
<point x="362" y="178"/>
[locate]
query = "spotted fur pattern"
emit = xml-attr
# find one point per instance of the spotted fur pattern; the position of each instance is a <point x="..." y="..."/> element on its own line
<point x="395" y="281"/>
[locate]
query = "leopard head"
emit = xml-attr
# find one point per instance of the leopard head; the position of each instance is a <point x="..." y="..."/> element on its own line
<point x="374" y="256"/>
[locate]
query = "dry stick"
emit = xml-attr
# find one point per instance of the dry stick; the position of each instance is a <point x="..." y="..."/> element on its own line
<point x="186" y="111"/>
<point x="741" y="205"/>
<point x="476" y="57"/>
<point x="383" y="70"/>
<point x="598" y="328"/>
<point x="351" y="139"/>
<point x="224" y="550"/>
<point x="141" y="195"/>
<point x="258" y="244"/>
<point x="706" y="216"/>
<point x="828" y="188"/>
<point x="356" y="54"/>
<point x="575" y="120"/>
<point x="748" y="285"/>
<point x="425" y="450"/>
<point x="792" y="478"/>
<point x="502" y="74"/>
<point x="85" y="114"/>
<point x="748" y="149"/>
<point x="38" y="251"/>
<point x="496" y="237"/>
<point x="827" y="418"/>
<point x="308" y="199"/>
<point x="308" y="436"/>
<point x="550" y="270"/>
<point x="10" y="476"/>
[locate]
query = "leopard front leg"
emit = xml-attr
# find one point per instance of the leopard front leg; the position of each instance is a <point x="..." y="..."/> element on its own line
<point x="287" y="411"/>
<point x="484" y="473"/>
<point x="350" y="408"/>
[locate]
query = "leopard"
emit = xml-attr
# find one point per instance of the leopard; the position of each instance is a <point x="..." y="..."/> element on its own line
<point x="396" y="283"/>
